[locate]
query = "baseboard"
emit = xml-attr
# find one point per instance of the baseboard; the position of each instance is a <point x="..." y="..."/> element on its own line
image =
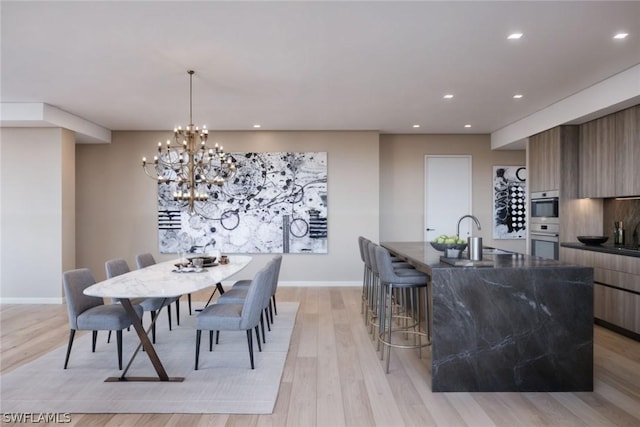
<point x="58" y="300"/>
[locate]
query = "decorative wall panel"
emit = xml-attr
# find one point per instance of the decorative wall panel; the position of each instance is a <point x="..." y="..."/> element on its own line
<point x="276" y="203"/>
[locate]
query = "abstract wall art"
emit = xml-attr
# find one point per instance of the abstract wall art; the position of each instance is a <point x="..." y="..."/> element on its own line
<point x="509" y="202"/>
<point x="276" y="203"/>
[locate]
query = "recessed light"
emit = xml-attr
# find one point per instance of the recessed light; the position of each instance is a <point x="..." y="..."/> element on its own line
<point x="514" y="36"/>
<point x="257" y="126"/>
<point x="448" y="96"/>
<point x="467" y="126"/>
<point x="416" y="126"/>
<point x="517" y="96"/>
<point x="621" y="36"/>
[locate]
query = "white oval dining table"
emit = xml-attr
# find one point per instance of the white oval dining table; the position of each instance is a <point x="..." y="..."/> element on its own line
<point x="160" y="280"/>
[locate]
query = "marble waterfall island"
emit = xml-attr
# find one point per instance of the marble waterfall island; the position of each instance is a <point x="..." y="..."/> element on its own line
<point x="523" y="324"/>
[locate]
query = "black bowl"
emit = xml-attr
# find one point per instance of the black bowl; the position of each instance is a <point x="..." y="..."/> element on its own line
<point x="593" y="240"/>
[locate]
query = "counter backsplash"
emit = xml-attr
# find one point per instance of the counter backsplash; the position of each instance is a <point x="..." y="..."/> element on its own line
<point x="627" y="211"/>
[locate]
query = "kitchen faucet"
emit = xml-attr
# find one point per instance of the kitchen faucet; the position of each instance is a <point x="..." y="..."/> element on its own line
<point x="468" y="216"/>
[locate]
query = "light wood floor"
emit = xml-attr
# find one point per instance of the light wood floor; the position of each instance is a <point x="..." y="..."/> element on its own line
<point x="334" y="377"/>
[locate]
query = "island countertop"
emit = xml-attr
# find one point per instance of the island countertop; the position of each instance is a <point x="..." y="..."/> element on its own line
<point x="422" y="254"/>
<point x="522" y="324"/>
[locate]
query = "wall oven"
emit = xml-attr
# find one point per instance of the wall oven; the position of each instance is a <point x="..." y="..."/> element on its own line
<point x="544" y="206"/>
<point x="545" y="240"/>
<point x="544" y="226"/>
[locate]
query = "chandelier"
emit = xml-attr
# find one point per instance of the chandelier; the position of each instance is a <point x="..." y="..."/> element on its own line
<point x="188" y="164"/>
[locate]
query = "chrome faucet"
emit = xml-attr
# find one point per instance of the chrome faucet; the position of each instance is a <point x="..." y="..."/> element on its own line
<point x="468" y="216"/>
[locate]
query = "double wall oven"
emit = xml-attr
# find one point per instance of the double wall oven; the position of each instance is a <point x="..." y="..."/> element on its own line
<point x="544" y="227"/>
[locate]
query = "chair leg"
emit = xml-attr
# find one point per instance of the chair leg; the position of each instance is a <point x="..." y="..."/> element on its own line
<point x="119" y="345"/>
<point x="271" y="310"/>
<point x="211" y="340"/>
<point x="94" y="338"/>
<point x="169" y="314"/>
<point x="189" y="301"/>
<point x="266" y="313"/>
<point x="250" y="343"/>
<point x="262" y="326"/>
<point x="72" y="333"/>
<point x="258" y="339"/>
<point x="109" y="337"/>
<point x="178" y="311"/>
<point x="198" y="336"/>
<point x="275" y="308"/>
<point x="217" y="336"/>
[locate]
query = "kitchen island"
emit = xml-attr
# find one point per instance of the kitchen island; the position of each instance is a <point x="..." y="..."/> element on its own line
<point x="521" y="323"/>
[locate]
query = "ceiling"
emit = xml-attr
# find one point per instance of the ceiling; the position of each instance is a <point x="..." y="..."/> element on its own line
<point x="303" y="65"/>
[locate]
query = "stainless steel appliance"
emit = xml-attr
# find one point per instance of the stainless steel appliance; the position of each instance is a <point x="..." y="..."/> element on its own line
<point x="544" y="226"/>
<point x="545" y="240"/>
<point x="544" y="207"/>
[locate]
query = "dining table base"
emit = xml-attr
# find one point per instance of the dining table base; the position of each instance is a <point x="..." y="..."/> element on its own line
<point x="146" y="344"/>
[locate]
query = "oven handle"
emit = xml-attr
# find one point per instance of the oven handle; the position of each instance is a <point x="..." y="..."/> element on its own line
<point x="546" y="199"/>
<point x="546" y="237"/>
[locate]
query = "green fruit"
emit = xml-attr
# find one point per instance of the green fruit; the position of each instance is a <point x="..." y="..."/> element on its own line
<point x="450" y="240"/>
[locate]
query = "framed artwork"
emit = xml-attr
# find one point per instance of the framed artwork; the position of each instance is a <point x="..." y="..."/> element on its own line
<point x="509" y="202"/>
<point x="276" y="203"/>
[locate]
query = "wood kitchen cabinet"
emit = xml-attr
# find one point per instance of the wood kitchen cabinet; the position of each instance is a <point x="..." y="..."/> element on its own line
<point x="627" y="147"/>
<point x="545" y="157"/>
<point x="616" y="289"/>
<point x="598" y="158"/>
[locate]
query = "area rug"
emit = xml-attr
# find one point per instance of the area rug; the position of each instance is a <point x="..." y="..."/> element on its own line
<point x="223" y="384"/>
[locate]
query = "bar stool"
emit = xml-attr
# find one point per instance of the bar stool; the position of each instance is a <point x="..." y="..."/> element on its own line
<point x="373" y="306"/>
<point x="412" y="281"/>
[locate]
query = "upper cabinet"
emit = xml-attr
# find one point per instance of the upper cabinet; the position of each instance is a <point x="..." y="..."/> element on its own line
<point x="597" y="158"/>
<point x="544" y="161"/>
<point x="610" y="155"/>
<point x="627" y="166"/>
<point x="553" y="160"/>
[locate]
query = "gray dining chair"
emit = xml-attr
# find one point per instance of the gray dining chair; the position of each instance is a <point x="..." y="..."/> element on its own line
<point x="146" y="260"/>
<point x="235" y="317"/>
<point x="87" y="313"/>
<point x="118" y="266"/>
<point x="237" y="294"/>
<point x="244" y="284"/>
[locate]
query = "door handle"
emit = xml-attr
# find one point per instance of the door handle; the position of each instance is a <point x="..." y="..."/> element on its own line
<point x="431" y="229"/>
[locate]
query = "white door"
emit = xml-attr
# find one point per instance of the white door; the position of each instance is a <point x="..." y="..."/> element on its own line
<point x="448" y="195"/>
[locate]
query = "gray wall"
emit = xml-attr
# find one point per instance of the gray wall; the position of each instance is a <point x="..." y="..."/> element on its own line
<point x="402" y="188"/>
<point x="117" y="202"/>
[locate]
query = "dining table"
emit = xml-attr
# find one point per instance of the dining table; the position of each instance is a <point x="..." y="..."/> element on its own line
<point x="162" y="280"/>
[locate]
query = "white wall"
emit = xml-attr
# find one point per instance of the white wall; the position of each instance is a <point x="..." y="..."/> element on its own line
<point x="117" y="202"/>
<point x="38" y="239"/>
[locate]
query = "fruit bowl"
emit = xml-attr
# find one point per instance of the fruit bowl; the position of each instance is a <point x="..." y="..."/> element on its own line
<point x="444" y="246"/>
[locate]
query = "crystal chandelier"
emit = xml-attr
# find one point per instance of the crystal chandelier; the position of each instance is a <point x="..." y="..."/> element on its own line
<point x="189" y="164"/>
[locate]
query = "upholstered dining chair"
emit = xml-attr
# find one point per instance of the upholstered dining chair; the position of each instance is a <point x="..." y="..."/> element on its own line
<point x="235" y="317"/>
<point x="87" y="313"/>
<point x="237" y="294"/>
<point x="244" y="284"/>
<point x="146" y="260"/>
<point x="118" y="266"/>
